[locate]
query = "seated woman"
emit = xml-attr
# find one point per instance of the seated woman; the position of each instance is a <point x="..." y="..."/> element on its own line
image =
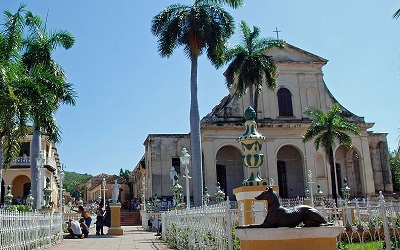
<point x="85" y="215"/>
<point x="84" y="227"/>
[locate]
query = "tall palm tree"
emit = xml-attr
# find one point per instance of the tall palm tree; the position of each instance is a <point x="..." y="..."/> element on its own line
<point x="326" y="129"/>
<point x="396" y="15"/>
<point x="249" y="64"/>
<point x="48" y="90"/>
<point x="201" y="28"/>
<point x="12" y="114"/>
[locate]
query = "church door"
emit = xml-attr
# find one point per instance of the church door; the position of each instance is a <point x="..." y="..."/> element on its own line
<point x="2" y="192"/>
<point x="290" y="172"/>
<point x="282" y="179"/>
<point x="221" y="176"/>
<point x="229" y="169"/>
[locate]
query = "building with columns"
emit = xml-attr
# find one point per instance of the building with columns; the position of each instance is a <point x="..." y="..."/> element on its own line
<point x="18" y="176"/>
<point x="282" y="121"/>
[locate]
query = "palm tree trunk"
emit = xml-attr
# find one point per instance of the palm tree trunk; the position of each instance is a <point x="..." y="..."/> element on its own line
<point x="251" y="92"/>
<point x="195" y="140"/>
<point x="35" y="152"/>
<point x="256" y="103"/>
<point x="333" y="175"/>
<point x="1" y="168"/>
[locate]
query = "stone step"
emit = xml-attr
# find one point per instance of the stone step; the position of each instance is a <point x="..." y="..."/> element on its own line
<point x="130" y="219"/>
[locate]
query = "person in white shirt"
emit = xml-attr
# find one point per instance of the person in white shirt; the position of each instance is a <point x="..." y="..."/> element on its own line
<point x="74" y="229"/>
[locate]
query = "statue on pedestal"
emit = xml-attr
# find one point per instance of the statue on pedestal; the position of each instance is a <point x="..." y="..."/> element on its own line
<point x="115" y="191"/>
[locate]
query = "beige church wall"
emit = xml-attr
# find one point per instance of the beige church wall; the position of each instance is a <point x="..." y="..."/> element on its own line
<point x="362" y="146"/>
<point x="212" y="141"/>
<point x="159" y="162"/>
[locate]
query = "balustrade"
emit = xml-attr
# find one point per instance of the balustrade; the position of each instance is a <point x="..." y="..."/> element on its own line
<point x="29" y="230"/>
<point x="212" y="227"/>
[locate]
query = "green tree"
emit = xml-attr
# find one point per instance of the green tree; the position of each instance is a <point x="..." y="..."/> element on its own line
<point x="47" y="91"/>
<point x="327" y="129"/>
<point x="396" y="15"/>
<point x="250" y="64"/>
<point x="126" y="174"/>
<point x="394" y="159"/>
<point x="203" y="27"/>
<point x="12" y="115"/>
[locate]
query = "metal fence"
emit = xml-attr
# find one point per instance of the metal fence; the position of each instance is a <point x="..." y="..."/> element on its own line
<point x="207" y="227"/>
<point x="29" y="230"/>
<point x="213" y="227"/>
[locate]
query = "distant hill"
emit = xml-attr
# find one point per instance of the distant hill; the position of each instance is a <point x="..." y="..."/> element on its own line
<point x="72" y="179"/>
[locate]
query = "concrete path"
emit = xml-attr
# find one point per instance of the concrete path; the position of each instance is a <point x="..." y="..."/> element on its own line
<point x="135" y="237"/>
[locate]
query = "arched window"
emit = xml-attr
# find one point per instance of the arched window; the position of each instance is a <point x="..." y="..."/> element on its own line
<point x="285" y="102"/>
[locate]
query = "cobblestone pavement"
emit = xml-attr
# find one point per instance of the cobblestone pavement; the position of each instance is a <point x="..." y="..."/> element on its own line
<point x="134" y="237"/>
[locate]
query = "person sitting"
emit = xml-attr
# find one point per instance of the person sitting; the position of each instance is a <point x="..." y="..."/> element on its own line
<point x="85" y="215"/>
<point x="84" y="228"/>
<point x="74" y="229"/>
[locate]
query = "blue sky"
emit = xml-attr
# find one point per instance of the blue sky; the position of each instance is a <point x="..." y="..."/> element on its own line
<point x="127" y="91"/>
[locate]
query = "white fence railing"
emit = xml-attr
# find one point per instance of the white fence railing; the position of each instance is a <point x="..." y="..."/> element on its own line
<point x="208" y="227"/>
<point x="213" y="227"/>
<point x="29" y="230"/>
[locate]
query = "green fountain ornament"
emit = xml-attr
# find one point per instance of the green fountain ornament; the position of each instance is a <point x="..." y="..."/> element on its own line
<point x="251" y="142"/>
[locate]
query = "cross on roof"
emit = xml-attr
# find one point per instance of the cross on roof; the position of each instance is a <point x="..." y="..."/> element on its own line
<point x="277" y="33"/>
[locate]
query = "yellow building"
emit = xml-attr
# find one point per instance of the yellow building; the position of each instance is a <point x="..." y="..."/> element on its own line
<point x="18" y="176"/>
<point x="94" y="189"/>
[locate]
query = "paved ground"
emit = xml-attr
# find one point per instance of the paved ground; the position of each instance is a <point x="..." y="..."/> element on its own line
<point x="135" y="237"/>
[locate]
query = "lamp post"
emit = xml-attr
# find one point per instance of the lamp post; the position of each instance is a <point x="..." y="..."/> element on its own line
<point x="29" y="202"/>
<point x="185" y="159"/>
<point x="61" y="176"/>
<point x="103" y="182"/>
<point x="346" y="191"/>
<point x="310" y="183"/>
<point x="39" y="165"/>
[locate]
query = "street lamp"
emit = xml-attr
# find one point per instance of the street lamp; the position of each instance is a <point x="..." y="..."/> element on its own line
<point x="103" y="182"/>
<point x="346" y="191"/>
<point x="39" y="165"/>
<point x="310" y="182"/>
<point x="185" y="159"/>
<point x="61" y="176"/>
<point x="29" y="202"/>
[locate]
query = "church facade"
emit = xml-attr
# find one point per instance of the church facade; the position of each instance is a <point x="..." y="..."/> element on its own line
<point x="281" y="119"/>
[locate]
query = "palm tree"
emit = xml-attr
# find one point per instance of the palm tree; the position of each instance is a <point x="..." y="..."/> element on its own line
<point x="201" y="28"/>
<point x="326" y="129"/>
<point x="396" y="15"/>
<point x="47" y="90"/>
<point x="250" y="64"/>
<point x="12" y="115"/>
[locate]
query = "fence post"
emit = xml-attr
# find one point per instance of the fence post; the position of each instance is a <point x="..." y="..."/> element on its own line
<point x="228" y="222"/>
<point x="384" y="220"/>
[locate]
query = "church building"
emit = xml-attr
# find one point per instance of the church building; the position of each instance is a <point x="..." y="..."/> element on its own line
<point x="281" y="119"/>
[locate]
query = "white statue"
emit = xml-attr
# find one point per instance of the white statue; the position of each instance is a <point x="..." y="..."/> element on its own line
<point x="172" y="174"/>
<point x="115" y="191"/>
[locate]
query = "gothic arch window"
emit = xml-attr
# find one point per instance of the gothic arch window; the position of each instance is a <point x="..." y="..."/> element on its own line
<point x="285" y="102"/>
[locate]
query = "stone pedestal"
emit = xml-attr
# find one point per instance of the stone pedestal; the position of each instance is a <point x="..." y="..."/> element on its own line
<point x="245" y="195"/>
<point x="115" y="228"/>
<point x="306" y="238"/>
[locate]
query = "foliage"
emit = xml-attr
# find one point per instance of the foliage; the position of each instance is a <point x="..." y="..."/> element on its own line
<point x="250" y="66"/>
<point x="327" y="129"/>
<point x="394" y="159"/>
<point x="203" y="27"/>
<point x="373" y="245"/>
<point x="396" y="15"/>
<point x="13" y="116"/>
<point x="20" y="208"/>
<point x="72" y="179"/>
<point x="126" y="174"/>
